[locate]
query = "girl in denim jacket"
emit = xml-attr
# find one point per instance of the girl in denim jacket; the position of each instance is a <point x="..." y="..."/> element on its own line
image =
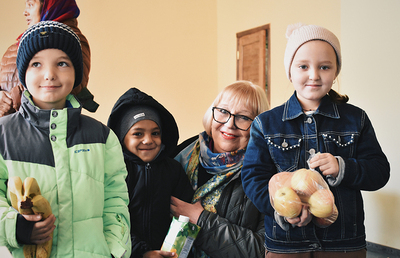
<point x="316" y="119"/>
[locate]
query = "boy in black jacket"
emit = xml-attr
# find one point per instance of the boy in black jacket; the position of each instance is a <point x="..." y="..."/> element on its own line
<point x="148" y="134"/>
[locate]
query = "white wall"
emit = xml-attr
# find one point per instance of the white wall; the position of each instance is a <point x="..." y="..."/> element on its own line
<point x="370" y="36"/>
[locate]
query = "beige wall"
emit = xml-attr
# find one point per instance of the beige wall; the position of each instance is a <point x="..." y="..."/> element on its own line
<point x="183" y="52"/>
<point x="166" y="48"/>
<point x="370" y="32"/>
<point x="237" y="16"/>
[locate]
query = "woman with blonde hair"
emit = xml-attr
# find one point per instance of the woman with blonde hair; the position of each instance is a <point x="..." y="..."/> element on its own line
<point x="231" y="226"/>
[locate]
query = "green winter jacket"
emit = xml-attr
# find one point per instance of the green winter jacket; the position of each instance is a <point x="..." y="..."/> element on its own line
<point x="79" y="166"/>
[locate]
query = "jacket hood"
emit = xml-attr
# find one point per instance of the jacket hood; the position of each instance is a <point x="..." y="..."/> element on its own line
<point x="135" y="97"/>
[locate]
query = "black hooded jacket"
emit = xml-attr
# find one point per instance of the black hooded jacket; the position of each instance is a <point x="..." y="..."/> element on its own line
<point x="152" y="184"/>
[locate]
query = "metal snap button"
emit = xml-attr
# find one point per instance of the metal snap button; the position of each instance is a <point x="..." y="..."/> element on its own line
<point x="53" y="138"/>
<point x="53" y="126"/>
<point x="54" y="114"/>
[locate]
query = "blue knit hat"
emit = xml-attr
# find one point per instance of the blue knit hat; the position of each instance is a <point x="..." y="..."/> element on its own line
<point x="47" y="35"/>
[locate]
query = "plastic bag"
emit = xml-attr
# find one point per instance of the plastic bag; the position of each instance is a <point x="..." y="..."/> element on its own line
<point x="290" y="191"/>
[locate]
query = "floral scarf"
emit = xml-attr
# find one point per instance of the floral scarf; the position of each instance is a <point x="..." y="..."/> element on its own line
<point x="223" y="166"/>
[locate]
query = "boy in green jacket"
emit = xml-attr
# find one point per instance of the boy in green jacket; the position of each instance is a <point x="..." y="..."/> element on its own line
<point x="76" y="160"/>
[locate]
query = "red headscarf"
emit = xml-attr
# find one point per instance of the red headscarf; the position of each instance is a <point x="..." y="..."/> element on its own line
<point x="59" y="10"/>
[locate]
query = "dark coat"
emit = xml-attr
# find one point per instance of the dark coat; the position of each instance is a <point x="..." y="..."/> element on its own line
<point x="237" y="229"/>
<point x="152" y="184"/>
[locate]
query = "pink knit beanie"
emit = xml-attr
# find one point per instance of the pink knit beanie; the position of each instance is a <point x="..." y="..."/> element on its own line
<point x="298" y="34"/>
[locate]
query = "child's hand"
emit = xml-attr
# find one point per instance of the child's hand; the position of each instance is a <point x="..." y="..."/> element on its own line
<point x="179" y="207"/>
<point x="42" y="229"/>
<point x="302" y="220"/>
<point x="327" y="163"/>
<point x="158" y="254"/>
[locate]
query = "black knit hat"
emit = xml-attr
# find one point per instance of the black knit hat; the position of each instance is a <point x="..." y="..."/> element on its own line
<point x="132" y="115"/>
<point x="45" y="35"/>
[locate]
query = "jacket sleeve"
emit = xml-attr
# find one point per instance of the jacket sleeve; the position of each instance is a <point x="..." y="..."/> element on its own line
<point x="116" y="215"/>
<point x="223" y="237"/>
<point x="8" y="216"/>
<point x="183" y="189"/>
<point x="257" y="169"/>
<point x="369" y="169"/>
<point x="139" y="247"/>
<point x="9" y="80"/>
<point x="8" y="69"/>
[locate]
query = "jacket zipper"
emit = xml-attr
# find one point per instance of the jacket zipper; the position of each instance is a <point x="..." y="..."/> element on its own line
<point x="242" y="207"/>
<point x="147" y="211"/>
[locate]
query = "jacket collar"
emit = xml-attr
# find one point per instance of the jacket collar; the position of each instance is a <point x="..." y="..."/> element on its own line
<point x="40" y="118"/>
<point x="292" y="108"/>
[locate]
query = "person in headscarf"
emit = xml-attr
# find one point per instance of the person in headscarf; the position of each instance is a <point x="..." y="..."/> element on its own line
<point x="65" y="11"/>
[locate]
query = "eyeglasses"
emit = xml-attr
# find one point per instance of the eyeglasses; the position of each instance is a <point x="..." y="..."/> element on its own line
<point x="222" y="116"/>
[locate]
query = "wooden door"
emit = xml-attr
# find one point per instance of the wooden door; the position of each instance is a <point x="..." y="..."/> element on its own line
<point x="252" y="57"/>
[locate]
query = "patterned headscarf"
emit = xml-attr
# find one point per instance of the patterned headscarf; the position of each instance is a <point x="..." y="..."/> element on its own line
<point x="59" y="10"/>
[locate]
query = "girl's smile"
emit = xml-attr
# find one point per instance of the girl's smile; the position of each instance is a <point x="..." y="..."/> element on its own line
<point x="313" y="71"/>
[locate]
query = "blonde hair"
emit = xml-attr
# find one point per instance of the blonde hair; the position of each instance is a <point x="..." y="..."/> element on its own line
<point x="241" y="93"/>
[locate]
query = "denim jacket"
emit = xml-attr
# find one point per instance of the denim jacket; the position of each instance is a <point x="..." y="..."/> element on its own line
<point x="283" y="138"/>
